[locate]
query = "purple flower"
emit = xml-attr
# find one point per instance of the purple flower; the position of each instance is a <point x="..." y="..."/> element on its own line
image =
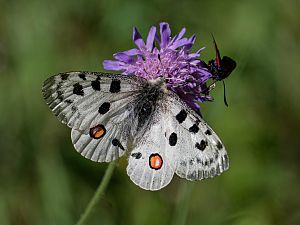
<point x="168" y="57"/>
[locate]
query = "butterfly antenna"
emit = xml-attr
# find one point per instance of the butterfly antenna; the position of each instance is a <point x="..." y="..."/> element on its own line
<point x="225" y="101"/>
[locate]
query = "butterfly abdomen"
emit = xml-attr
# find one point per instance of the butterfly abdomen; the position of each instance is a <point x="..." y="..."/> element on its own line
<point x="146" y="105"/>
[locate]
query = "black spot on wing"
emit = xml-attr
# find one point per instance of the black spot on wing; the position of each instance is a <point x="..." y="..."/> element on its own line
<point x="181" y="116"/>
<point x="183" y="163"/>
<point x="104" y="108"/>
<point x="60" y="96"/>
<point x="194" y="129"/>
<point x="117" y="143"/>
<point x="136" y="155"/>
<point x="78" y="89"/>
<point x="173" y="139"/>
<point x="197" y="121"/>
<point x="208" y="132"/>
<point x="74" y="108"/>
<point x="216" y="155"/>
<point x="82" y="76"/>
<point x="193" y="176"/>
<point x="64" y="76"/>
<point x="192" y="162"/>
<point x="219" y="145"/>
<point x="96" y="84"/>
<point x="69" y="101"/>
<point x="115" y="86"/>
<point x="202" y="145"/>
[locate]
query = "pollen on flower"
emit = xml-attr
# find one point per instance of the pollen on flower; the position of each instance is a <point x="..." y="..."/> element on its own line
<point x="169" y="57"/>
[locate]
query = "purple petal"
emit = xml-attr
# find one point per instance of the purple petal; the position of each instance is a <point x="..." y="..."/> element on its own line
<point x="173" y="39"/>
<point x="125" y="73"/>
<point x="188" y="47"/>
<point x="201" y="49"/>
<point x="165" y="34"/>
<point x="132" y="52"/>
<point x="113" y="65"/>
<point x="138" y="40"/>
<point x="177" y="36"/>
<point x="181" y="33"/>
<point x="131" y="70"/>
<point x="139" y="57"/>
<point x="121" y="56"/>
<point x="155" y="51"/>
<point x="195" y="62"/>
<point x="194" y="55"/>
<point x="190" y="44"/>
<point x="192" y="39"/>
<point x="150" y="38"/>
<point x="179" y="43"/>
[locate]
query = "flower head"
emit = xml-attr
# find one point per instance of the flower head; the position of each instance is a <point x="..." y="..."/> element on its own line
<point x="167" y="57"/>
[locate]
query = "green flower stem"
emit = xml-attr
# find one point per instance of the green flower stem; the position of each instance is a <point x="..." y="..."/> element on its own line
<point x="183" y="203"/>
<point x="96" y="198"/>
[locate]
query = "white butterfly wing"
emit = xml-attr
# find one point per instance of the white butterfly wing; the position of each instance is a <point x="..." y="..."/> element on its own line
<point x="97" y="107"/>
<point x="152" y="163"/>
<point x="180" y="142"/>
<point x="200" y="153"/>
<point x="76" y="97"/>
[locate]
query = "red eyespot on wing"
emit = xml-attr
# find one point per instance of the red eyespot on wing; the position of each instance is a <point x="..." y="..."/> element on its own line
<point x="98" y="131"/>
<point x="155" y="161"/>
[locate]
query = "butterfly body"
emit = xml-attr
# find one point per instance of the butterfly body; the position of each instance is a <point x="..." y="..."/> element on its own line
<point x="107" y="112"/>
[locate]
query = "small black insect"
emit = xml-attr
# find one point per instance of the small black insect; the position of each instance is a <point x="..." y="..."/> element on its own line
<point x="220" y="68"/>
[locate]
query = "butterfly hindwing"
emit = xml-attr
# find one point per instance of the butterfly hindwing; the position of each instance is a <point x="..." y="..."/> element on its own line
<point x="98" y="109"/>
<point x="180" y="142"/>
<point x="103" y="143"/>
<point x="200" y="153"/>
<point x="152" y="163"/>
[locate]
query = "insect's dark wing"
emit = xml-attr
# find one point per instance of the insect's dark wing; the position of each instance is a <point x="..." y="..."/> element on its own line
<point x="228" y="65"/>
<point x="218" y="57"/>
<point x="97" y="107"/>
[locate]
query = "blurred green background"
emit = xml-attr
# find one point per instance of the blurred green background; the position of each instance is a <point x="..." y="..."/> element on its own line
<point x="43" y="180"/>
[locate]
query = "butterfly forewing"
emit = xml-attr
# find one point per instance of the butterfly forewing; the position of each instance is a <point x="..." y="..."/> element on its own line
<point x="73" y="96"/>
<point x="98" y="108"/>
